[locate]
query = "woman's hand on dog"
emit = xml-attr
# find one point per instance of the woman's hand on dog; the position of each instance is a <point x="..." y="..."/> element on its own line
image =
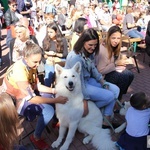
<point x="61" y="100"/>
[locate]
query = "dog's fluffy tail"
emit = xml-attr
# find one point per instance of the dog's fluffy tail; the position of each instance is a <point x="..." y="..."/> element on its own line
<point x="102" y="140"/>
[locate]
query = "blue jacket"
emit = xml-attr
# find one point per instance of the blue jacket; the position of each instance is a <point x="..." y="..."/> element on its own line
<point x="88" y="69"/>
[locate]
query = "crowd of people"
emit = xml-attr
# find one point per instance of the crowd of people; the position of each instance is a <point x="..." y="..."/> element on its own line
<point x="37" y="38"/>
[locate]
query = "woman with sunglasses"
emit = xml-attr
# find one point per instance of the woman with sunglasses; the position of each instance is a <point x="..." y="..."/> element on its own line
<point x="11" y="17"/>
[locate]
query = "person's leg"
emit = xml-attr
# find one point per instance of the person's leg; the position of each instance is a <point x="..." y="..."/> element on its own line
<point x="135" y="34"/>
<point x="49" y="75"/>
<point x="43" y="120"/>
<point x="121" y="79"/>
<point x="101" y="97"/>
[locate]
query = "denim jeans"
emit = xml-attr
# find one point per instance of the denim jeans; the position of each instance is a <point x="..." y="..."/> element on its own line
<point x="49" y="75"/>
<point x="135" y="34"/>
<point x="45" y="117"/>
<point x="102" y="97"/>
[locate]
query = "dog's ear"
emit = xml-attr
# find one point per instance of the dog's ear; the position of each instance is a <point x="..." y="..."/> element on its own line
<point x="77" y="67"/>
<point x="58" y="69"/>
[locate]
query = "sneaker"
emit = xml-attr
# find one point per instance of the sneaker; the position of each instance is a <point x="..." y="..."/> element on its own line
<point x="40" y="144"/>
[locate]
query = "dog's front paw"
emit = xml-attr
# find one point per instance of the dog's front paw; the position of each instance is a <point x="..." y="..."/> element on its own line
<point x="64" y="147"/>
<point x="87" y="139"/>
<point x="55" y="144"/>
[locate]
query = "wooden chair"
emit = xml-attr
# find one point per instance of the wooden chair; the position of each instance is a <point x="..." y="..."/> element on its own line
<point x="102" y="35"/>
<point x="130" y="49"/>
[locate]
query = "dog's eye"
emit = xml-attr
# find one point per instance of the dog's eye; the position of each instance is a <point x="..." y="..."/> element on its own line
<point x="65" y="76"/>
<point x="73" y="76"/>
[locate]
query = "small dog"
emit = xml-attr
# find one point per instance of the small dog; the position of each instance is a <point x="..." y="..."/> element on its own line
<point x="70" y="114"/>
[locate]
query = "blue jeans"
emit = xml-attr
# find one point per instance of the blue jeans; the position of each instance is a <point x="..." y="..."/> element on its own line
<point x="135" y="34"/>
<point x="49" y="75"/>
<point x="44" y="118"/>
<point x="102" y="97"/>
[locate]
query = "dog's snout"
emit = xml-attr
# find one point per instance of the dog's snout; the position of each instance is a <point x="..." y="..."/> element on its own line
<point x="70" y="83"/>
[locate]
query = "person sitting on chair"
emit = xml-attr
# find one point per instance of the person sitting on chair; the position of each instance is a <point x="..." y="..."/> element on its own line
<point x="31" y="97"/>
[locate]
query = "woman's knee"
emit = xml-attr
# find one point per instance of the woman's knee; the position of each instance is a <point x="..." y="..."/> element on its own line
<point x="115" y="89"/>
<point x="48" y="111"/>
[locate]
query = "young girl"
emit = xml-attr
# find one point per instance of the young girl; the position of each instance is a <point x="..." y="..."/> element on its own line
<point x="137" y="118"/>
<point x="106" y="61"/>
<point x="55" y="48"/>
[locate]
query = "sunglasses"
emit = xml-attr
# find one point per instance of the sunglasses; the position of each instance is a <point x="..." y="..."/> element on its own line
<point x="19" y="25"/>
<point x="14" y="5"/>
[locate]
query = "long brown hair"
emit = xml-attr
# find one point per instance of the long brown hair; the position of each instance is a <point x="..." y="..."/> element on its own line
<point x="87" y="35"/>
<point x="111" y="50"/>
<point x="59" y="36"/>
<point x="8" y="122"/>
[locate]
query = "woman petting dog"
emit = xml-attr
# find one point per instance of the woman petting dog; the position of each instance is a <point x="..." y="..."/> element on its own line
<point x="31" y="98"/>
<point x="94" y="87"/>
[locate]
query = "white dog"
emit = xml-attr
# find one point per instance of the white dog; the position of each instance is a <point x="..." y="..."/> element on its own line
<point x="123" y="112"/>
<point x="70" y="114"/>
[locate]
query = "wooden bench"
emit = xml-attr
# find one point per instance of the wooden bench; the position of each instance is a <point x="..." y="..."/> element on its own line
<point x="133" y="41"/>
<point x="131" y="44"/>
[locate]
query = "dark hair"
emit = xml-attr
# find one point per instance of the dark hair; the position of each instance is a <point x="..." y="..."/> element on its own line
<point x="111" y="49"/>
<point x="79" y="25"/>
<point x="87" y="35"/>
<point x="148" y="29"/>
<point x="139" y="100"/>
<point x="59" y="36"/>
<point x="12" y="1"/>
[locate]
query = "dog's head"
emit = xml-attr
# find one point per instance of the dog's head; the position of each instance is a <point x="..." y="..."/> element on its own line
<point x="68" y="78"/>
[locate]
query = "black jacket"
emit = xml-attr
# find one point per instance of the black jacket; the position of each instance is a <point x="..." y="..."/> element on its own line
<point x="10" y="17"/>
<point x="147" y="39"/>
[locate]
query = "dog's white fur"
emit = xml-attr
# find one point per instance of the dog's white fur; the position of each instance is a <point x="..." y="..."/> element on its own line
<point x="123" y="112"/>
<point x="70" y="114"/>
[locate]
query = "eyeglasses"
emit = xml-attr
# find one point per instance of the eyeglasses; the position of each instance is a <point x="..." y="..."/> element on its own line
<point x="14" y="5"/>
<point x="19" y="25"/>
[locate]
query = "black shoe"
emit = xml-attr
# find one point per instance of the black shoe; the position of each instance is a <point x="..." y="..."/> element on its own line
<point x="115" y="125"/>
<point x="116" y="111"/>
<point x="106" y="126"/>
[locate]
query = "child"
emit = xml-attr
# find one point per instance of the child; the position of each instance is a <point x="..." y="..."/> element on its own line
<point x="137" y="118"/>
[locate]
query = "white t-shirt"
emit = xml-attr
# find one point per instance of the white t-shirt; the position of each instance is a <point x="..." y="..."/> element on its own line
<point x="137" y="122"/>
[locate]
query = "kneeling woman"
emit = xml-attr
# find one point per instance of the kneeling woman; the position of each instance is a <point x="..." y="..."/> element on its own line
<point x="94" y="87"/>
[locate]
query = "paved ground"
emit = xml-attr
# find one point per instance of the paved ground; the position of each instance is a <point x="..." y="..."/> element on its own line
<point x="141" y="83"/>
